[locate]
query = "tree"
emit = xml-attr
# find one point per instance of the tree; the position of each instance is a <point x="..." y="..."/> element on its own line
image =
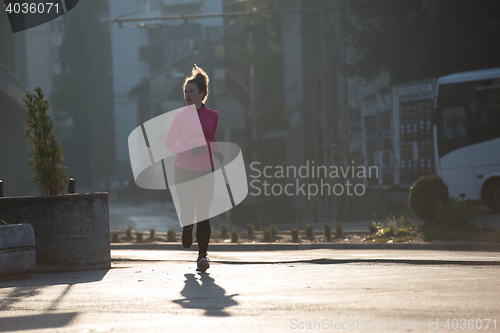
<point x="83" y="92"/>
<point x="266" y="54"/>
<point x="50" y="176"/>
<point x="416" y="39"/>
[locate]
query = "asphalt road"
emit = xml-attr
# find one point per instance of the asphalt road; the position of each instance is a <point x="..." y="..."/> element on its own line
<point x="274" y="291"/>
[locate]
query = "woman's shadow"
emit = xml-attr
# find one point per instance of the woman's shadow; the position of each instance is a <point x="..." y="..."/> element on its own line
<point x="207" y="295"/>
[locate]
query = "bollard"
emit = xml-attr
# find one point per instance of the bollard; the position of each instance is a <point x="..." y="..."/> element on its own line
<point x="71" y="186"/>
<point x="1" y="189"/>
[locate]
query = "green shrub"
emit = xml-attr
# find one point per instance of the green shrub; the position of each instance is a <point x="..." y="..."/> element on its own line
<point x="273" y="229"/>
<point x="338" y="230"/>
<point x="114" y="236"/>
<point x="266" y="233"/>
<point x="424" y="196"/>
<point x="309" y="231"/>
<point x="456" y="215"/>
<point x="214" y="233"/>
<point x="295" y="233"/>
<point x="250" y="227"/>
<point x="327" y="231"/>
<point x="234" y="236"/>
<point x="388" y="231"/>
<point x="128" y="232"/>
<point x="392" y="225"/>
<point x="372" y="228"/>
<point x="152" y="233"/>
<point x="138" y="236"/>
<point x="171" y="235"/>
<point x="223" y="230"/>
<point x="51" y="177"/>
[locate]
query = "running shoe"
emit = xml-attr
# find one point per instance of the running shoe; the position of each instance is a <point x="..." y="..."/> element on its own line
<point x="203" y="263"/>
<point x="187" y="236"/>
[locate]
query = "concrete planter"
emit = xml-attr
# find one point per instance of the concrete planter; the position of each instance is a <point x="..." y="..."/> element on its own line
<point x="17" y="253"/>
<point x="71" y="231"/>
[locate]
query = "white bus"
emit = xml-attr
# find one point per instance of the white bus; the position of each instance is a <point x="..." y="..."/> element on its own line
<point x="466" y="132"/>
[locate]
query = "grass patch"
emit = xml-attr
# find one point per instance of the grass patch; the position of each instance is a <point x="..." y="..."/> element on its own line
<point x="402" y="230"/>
<point x="454" y="221"/>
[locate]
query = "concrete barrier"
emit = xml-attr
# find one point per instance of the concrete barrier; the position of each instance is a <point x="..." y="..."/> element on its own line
<point x="17" y="253"/>
<point x="71" y="231"/>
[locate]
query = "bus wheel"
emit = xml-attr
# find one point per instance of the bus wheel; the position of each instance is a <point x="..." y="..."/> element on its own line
<point x="493" y="196"/>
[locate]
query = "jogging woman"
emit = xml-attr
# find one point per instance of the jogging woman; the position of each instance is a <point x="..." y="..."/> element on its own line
<point x="193" y="168"/>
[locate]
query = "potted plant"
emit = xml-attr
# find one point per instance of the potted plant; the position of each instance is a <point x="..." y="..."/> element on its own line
<point x="71" y="230"/>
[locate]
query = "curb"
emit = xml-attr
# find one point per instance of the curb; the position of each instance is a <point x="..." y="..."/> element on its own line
<point x="325" y="261"/>
<point x="486" y="247"/>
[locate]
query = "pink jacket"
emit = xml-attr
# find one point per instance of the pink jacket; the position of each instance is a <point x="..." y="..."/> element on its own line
<point x="185" y="131"/>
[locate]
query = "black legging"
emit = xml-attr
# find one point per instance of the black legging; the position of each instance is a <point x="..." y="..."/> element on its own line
<point x="195" y="192"/>
<point x="203" y="232"/>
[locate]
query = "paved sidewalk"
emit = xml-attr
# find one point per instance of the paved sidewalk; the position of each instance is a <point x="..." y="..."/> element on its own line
<point x="269" y="291"/>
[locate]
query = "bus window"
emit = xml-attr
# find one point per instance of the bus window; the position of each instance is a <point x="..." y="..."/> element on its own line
<point x="484" y="98"/>
<point x="454" y="123"/>
<point x="453" y="115"/>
